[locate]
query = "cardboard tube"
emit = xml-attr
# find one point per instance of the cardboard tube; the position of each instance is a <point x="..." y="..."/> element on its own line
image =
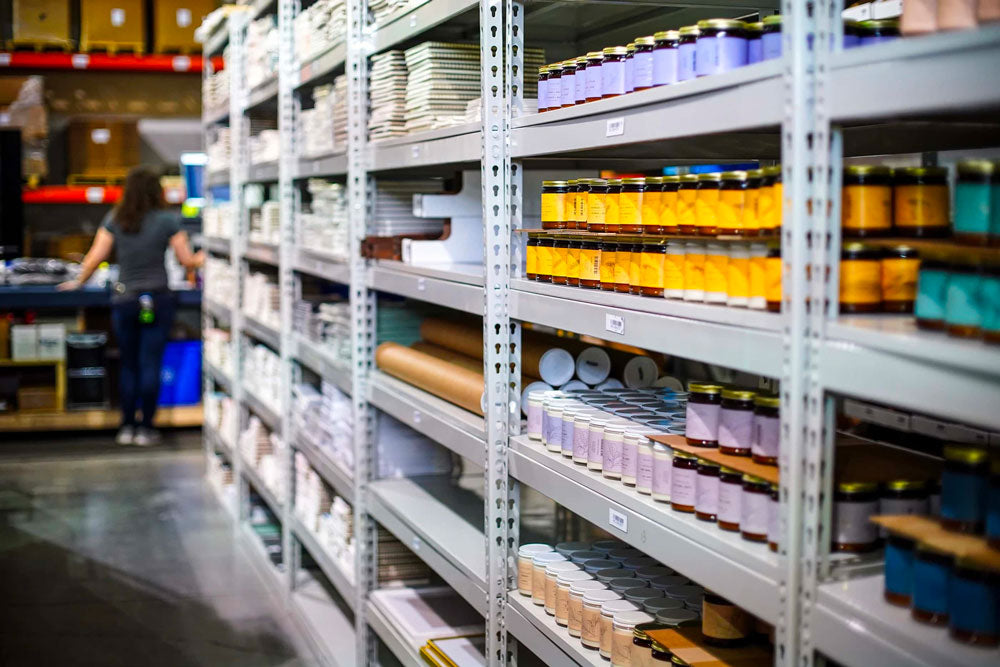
<point x="445" y="380"/>
<point x="457" y="358"/>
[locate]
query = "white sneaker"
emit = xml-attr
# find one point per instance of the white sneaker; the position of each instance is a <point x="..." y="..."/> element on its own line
<point x="146" y="437"/>
<point x="126" y="435"/>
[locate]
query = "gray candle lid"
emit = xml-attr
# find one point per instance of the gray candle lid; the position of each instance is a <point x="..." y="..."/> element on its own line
<point x="613" y="573"/>
<point x="607" y="546"/>
<point x="676" y="617"/>
<point x="624" y="584"/>
<point x="653" y="571"/>
<point x="641" y="594"/>
<point x="669" y="580"/>
<point x="584" y="556"/>
<point x="598" y="564"/>
<point x="656" y="605"/>
<point x="569" y="548"/>
<point x="636" y="563"/>
<point x="624" y="553"/>
<point x="681" y="592"/>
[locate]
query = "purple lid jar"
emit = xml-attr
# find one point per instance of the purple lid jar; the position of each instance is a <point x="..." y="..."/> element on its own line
<point x="567" y="95"/>
<point x="630" y="68"/>
<point x="613" y="71"/>
<point x="595" y="59"/>
<point x="755" y="49"/>
<point x="580" y="94"/>
<point x="686" y="47"/>
<point x="721" y="46"/>
<point x="771" y="38"/>
<point x="642" y="63"/>
<point x="665" y="58"/>
<point x="543" y="84"/>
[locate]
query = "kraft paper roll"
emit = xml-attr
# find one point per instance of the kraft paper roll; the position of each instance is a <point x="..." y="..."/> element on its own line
<point x="457" y="358"/>
<point x="445" y="380"/>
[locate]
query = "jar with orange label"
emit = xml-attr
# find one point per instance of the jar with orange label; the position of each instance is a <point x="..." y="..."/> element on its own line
<point x="694" y="271"/>
<point x="866" y="201"/>
<point x="560" y="260"/>
<point x="668" y="205"/>
<point x="546" y="253"/>
<point x="772" y="279"/>
<point x="609" y="252"/>
<point x="860" y="279"/>
<point x="732" y="203"/>
<point x="738" y="276"/>
<point x="582" y="191"/>
<point x="554" y="208"/>
<point x="766" y="203"/>
<point x="571" y="202"/>
<point x="651" y="204"/>
<point x="630" y="204"/>
<point x="652" y="259"/>
<point x="900" y="269"/>
<point x="612" y="216"/>
<point x="597" y="196"/>
<point x="687" y="193"/>
<point x="706" y="204"/>
<point x="590" y="264"/>
<point x="758" y="283"/>
<point x="635" y="269"/>
<point x="531" y="257"/>
<point x="778" y="209"/>
<point x="920" y="202"/>
<point x="751" y="224"/>
<point x="673" y="270"/>
<point x="573" y="264"/>
<point x="623" y="255"/>
<point x="716" y="268"/>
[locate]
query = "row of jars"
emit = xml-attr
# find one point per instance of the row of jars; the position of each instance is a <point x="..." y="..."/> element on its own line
<point x="669" y="57"/>
<point x="731" y="203"/>
<point x="607" y="593"/>
<point x="917" y="202"/>
<point x="740" y="275"/>
<point x="962" y="299"/>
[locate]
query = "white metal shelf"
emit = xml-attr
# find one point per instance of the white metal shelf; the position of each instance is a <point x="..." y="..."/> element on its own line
<point x="265" y="172"/>
<point x="218" y="245"/>
<point x="735" y="337"/>
<point x="459" y="430"/>
<point x="321" y="265"/>
<point x="440" y="524"/>
<point x="459" y="144"/>
<point x="264" y="92"/>
<point x="261" y="7"/>
<point x="217" y="40"/>
<point x="745" y="572"/>
<point x="331" y="471"/>
<point x="262" y="332"/>
<point x="889" y="360"/>
<point x="217" y="441"/>
<point x="458" y="286"/>
<point x="313" y="356"/>
<point x="322" y="64"/>
<point x="219" y="116"/>
<point x="217" y="310"/>
<point x="392" y="638"/>
<point x="216" y="178"/>
<point x="855" y="626"/>
<point x="321" y="167"/>
<point x="552" y="643"/>
<point x="268" y="571"/>
<point x="264" y="411"/>
<point x="326" y="626"/>
<point x="264" y="253"/>
<point x="262" y="490"/>
<point x="220" y="377"/>
<point x="331" y="570"/>
<point x="405" y="25"/>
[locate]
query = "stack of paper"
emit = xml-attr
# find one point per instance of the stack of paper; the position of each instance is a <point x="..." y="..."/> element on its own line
<point x="442" y="79"/>
<point x="394" y="208"/>
<point x="340" y="111"/>
<point x="382" y="9"/>
<point x="388" y="96"/>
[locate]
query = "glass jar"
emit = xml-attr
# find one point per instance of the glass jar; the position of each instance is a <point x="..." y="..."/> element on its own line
<point x="687" y="195"/>
<point x="665" y="57"/>
<point x="732" y="203"/>
<point x="612" y="216"/>
<point x="866" y="201"/>
<point x="642" y="63"/>
<point x="989" y="295"/>
<point x="630" y="205"/>
<point x="652" y="202"/>
<point x="630" y="67"/>
<point x="730" y="499"/>
<point x="582" y="192"/>
<point x="704" y="406"/>
<point x="706" y="505"/>
<point x="570" y="411"/>
<point x="554" y="211"/>
<point x="860" y="278"/>
<point x="755" y="47"/>
<point x="623" y="626"/>
<point x="931" y="581"/>
<point x="778" y="210"/>
<point x="623" y="255"/>
<point x="611" y="450"/>
<point x="766" y="202"/>
<point x="590" y="265"/>
<point x="758" y="281"/>
<point x="686" y="47"/>
<point x="706" y="204"/>
<point x="774" y="518"/>
<point x="641" y="643"/>
<point x="580" y="89"/>
<point x="577" y="590"/>
<point x="635" y="269"/>
<point x="754" y="503"/>
<point x="673" y="270"/>
<point x="771" y="37"/>
<point x="920" y="202"/>
<point x="723" y="623"/>
<point x="543" y="79"/>
<point x="964" y="485"/>
<point x="904" y="496"/>
<point x="662" y="469"/>
<point x="766" y="441"/>
<point x="552" y="425"/>
<point x="751" y="224"/>
<point x="900" y="272"/>
<point x="736" y="419"/>
<point x="854" y="503"/>
<point x="552" y="573"/>
<point x="572" y="202"/>
<point x="932" y="294"/>
<point x="878" y="31"/>
<point x="597" y="195"/>
<point x="630" y="456"/>
<point x="608" y="611"/>
<point x="609" y="252"/>
<point x="613" y="71"/>
<point x="567" y="96"/>
<point x="721" y="46"/>
<point x="539" y="562"/>
<point x="963" y="310"/>
<point x="595" y="459"/>
<point x="993" y="505"/>
<point x="543" y="266"/>
<point x="590" y="629"/>
<point x="581" y="437"/>
<point x="660" y="655"/>
<point x="651" y="270"/>
<point x="553" y="87"/>
<point x="534" y="413"/>
<point x="975" y="597"/>
<point x="694" y="271"/>
<point x="716" y="268"/>
<point x="667" y="215"/>
<point x="683" y="482"/>
<point x="852" y="34"/>
<point x="531" y="257"/>
<point x="563" y="583"/>
<point x="595" y="59"/>
<point x="738" y="276"/>
<point x="899" y="552"/>
<point x="772" y="279"/>
<point x="560" y="260"/>
<point x="573" y="263"/>
<point x="525" y="554"/>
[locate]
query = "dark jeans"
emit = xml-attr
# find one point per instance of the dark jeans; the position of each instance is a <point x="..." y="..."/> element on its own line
<point x="142" y="348"/>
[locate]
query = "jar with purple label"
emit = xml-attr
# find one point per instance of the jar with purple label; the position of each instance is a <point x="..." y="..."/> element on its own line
<point x="568" y="95"/>
<point x="878" y="31"/>
<point x="630" y="67"/>
<point x="595" y="59"/>
<point x="630" y="456"/>
<point x="552" y="424"/>
<point x="703" y="410"/>
<point x="755" y="48"/>
<point x="663" y="461"/>
<point x="736" y="422"/>
<point x="683" y="482"/>
<point x="721" y="46"/>
<point x="665" y="57"/>
<point x="553" y="88"/>
<point x="644" y="466"/>
<point x="686" y="46"/>
<point x="568" y="417"/>
<point x="754" y="508"/>
<point x="581" y="81"/>
<point x="642" y="63"/>
<point x="730" y="499"/>
<point x="534" y="411"/>
<point x="595" y="458"/>
<point x="766" y="430"/>
<point x="613" y="71"/>
<point x="852" y="34"/>
<point x="581" y="436"/>
<point x="543" y="86"/>
<point x="774" y="518"/>
<point x="706" y="503"/>
<point x="611" y="450"/>
<point x="770" y="39"/>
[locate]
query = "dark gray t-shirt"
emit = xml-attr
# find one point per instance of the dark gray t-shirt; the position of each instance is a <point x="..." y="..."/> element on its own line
<point x="140" y="255"/>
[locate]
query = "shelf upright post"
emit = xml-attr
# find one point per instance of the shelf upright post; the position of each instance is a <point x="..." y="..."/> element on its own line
<point x="360" y="197"/>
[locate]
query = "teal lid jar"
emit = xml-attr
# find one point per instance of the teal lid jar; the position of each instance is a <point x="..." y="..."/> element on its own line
<point x="995" y="205"/>
<point x="963" y="311"/>
<point x="932" y="289"/>
<point x="989" y="297"/>
<point x="973" y="191"/>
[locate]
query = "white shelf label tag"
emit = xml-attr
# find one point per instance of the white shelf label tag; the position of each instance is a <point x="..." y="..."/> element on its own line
<point x="616" y="127"/>
<point x="416" y="416"/>
<point x="415" y="544"/>
<point x="421" y="284"/>
<point x="617" y="520"/>
<point x="413" y="20"/>
<point x="614" y="324"/>
<point x="117" y="16"/>
<point x="94" y="195"/>
<point x="80" y="60"/>
<point x="4" y="59"/>
<point x="181" y="63"/>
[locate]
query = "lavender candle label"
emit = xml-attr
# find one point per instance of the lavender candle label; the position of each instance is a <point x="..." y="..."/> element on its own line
<point x="554" y="93"/>
<point x="707" y="500"/>
<point x="753" y="513"/>
<point x="767" y="435"/>
<point x="729" y="502"/>
<point x="629" y="460"/>
<point x="736" y="428"/>
<point x="566" y="439"/>
<point x="662" y="473"/>
<point x="543" y="91"/>
<point x="773" y="523"/>
<point x="720" y="54"/>
<point x="611" y="455"/>
<point x="642" y="70"/>
<point x="581" y="443"/>
<point x="703" y="421"/>
<point x="771" y="45"/>
<point x="534" y="423"/>
<point x="580" y="86"/>
<point x="552" y="430"/>
<point x="593" y="84"/>
<point x="664" y="67"/>
<point x="755" y="51"/>
<point x="683" y="483"/>
<point x="629" y="75"/>
<point x="613" y="78"/>
<point x="568" y="95"/>
<point x="594" y="439"/>
<point x="644" y="472"/>
<point x="686" y="62"/>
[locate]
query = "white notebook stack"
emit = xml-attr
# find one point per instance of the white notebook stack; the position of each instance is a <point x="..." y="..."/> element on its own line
<point x="388" y="96"/>
<point x="394" y="208"/>
<point x="442" y="79"/>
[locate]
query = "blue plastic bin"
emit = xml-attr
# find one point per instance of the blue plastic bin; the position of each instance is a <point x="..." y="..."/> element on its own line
<point x="180" y="379"/>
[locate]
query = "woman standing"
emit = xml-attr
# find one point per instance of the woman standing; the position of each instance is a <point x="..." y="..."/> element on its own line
<point x="140" y="229"/>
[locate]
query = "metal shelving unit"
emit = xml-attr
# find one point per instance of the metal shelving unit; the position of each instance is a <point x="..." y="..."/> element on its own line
<point x="903" y="96"/>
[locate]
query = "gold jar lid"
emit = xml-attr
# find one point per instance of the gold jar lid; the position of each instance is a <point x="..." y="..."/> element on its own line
<point x="544" y="69"/>
<point x="720" y="24"/>
<point x="630" y="47"/>
<point x="672" y="179"/>
<point x="855" y="247"/>
<point x="594" y="55"/>
<point x="654" y="180"/>
<point x="704" y="388"/>
<point x="572" y="182"/>
<point x="755" y="27"/>
<point x="634" y="181"/>
<point x="584" y="181"/>
<point x="977" y="167"/>
<point x="598" y="182"/>
<point x="688" y="178"/>
<point x="961" y="454"/>
<point x="667" y="35"/>
<point x="857" y="487"/>
<point x="714" y="176"/>
<point x="922" y="171"/>
<point x="615" y="51"/>
<point x="554" y="184"/>
<point x="753" y="479"/>
<point x="906" y="485"/>
<point x="773" y="19"/>
<point x="755" y="173"/>
<point x="772" y="171"/>
<point x="725" y="470"/>
<point x="581" y="61"/>
<point x="738" y="394"/>
<point x="689" y="31"/>
<point x="879" y="24"/>
<point x="706" y="462"/>
<point x="680" y="454"/>
<point x="734" y="175"/>
<point x="649" y="40"/>
<point x="614" y="181"/>
<point x="767" y="401"/>
<point x="867" y="170"/>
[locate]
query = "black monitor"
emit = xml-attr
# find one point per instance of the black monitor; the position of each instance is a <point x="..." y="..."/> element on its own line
<point x="11" y="206"/>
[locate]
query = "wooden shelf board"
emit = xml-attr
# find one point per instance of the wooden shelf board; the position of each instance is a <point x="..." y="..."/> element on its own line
<point x="71" y="420"/>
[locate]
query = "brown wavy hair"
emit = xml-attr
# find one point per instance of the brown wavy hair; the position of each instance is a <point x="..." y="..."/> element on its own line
<point x="143" y="193"/>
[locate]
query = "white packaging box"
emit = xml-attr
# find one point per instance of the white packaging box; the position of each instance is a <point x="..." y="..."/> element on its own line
<point x="52" y="341"/>
<point x="24" y="342"/>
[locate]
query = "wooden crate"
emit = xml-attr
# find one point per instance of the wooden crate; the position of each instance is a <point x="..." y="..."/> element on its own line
<point x="40" y="24"/>
<point x="174" y="22"/>
<point x="102" y="150"/>
<point x="112" y="25"/>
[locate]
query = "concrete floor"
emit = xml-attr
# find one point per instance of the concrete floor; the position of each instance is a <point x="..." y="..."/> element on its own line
<point x="119" y="556"/>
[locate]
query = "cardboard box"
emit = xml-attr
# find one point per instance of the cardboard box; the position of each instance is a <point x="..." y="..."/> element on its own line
<point x="41" y="23"/>
<point x="112" y="25"/>
<point x="24" y="342"/>
<point x="52" y="341"/>
<point x="37" y="398"/>
<point x="103" y="148"/>
<point x="174" y="22"/>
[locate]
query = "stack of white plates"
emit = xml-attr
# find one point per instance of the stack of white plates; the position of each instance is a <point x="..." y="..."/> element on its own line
<point x="394" y="208"/>
<point x="388" y="96"/>
<point x="443" y="78"/>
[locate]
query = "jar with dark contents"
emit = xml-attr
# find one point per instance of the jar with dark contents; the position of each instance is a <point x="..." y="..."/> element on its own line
<point x="706" y="506"/>
<point x="642" y="63"/>
<point x="543" y="78"/>
<point x="546" y="256"/>
<point x="623" y="256"/>
<point x="635" y="269"/>
<point x="974" y="589"/>
<point x="686" y="47"/>
<point x="932" y="291"/>
<point x="652" y="260"/>
<point x="706" y="204"/>
<point x="751" y="222"/>
<point x="652" y="201"/>
<point x="572" y="199"/>
<point x="630" y="67"/>
<point x="736" y="419"/>
<point x="854" y="503"/>
<point x="613" y="71"/>
<point x="931" y="578"/>
<point x="730" y="499"/>
<point x="721" y="46"/>
<point x="732" y="203"/>
<point x="878" y="31"/>
<point x="593" y="83"/>
<point x="724" y="624"/>
<point x="778" y="210"/>
<point x="630" y="205"/>
<point x="659" y="653"/>
<point x="755" y="48"/>
<point x="852" y="34"/>
<point x="703" y="411"/>
<point x="754" y="508"/>
<point x="609" y="252"/>
<point x="860" y="278"/>
<point x="772" y="279"/>
<point x="900" y="272"/>
<point x="866" y="208"/>
<point x="580" y="92"/>
<point x="774" y="519"/>
<point x="590" y="264"/>
<point x="612" y="223"/>
<point x="554" y="205"/>
<point x="531" y="257"/>
<point x="973" y="185"/>
<point x="573" y="263"/>
<point x="766" y="442"/>
<point x="560" y="257"/>
<point x="597" y="194"/>
<point x="582" y="192"/>
<point x="963" y="307"/>
<point x="665" y="58"/>
<point x="553" y="87"/>
<point x="668" y="205"/>
<point x="683" y="482"/>
<point x="568" y="94"/>
<point x="687" y="195"/>
<point x="964" y="488"/>
<point x="921" y="202"/>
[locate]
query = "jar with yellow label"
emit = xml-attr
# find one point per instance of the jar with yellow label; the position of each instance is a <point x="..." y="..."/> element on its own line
<point x="668" y="205"/>
<point x="630" y="204"/>
<point x="772" y="279"/>
<point x="673" y="270"/>
<point x="751" y="224"/>
<point x="766" y="203"/>
<point x="694" y="272"/>
<point x="546" y="254"/>
<point x="758" y="282"/>
<point x="651" y="203"/>
<point x="623" y="254"/>
<point x="635" y="268"/>
<point x="706" y="204"/>
<point x="555" y="212"/>
<point x="860" y="279"/>
<point x="738" y="276"/>
<point x="900" y="269"/>
<point x="920" y="202"/>
<point x="590" y="264"/>
<point x="582" y="190"/>
<point x="597" y="195"/>
<point x="716" y="268"/>
<point x="531" y="257"/>
<point x="866" y="201"/>
<point x="560" y="260"/>
<point x="687" y="194"/>
<point x="609" y="254"/>
<point x="732" y="203"/>
<point x="653" y="257"/>
<point x="571" y="202"/>
<point x="612" y="205"/>
<point x="778" y="209"/>
<point x="573" y="264"/>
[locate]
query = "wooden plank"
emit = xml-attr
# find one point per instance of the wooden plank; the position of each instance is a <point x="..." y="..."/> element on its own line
<point x="170" y="417"/>
<point x="742" y="463"/>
